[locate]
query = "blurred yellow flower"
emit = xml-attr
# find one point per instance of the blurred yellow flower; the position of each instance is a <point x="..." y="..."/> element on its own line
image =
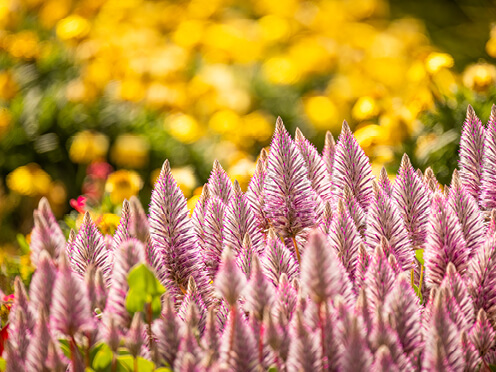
<point x="88" y="146"/>
<point x="224" y="121"/>
<point x="479" y="77"/>
<point x="23" y="45"/>
<point x="436" y="61"/>
<point x="183" y="127"/>
<point x="130" y="151"/>
<point x="364" y="108"/>
<point x="123" y="184"/>
<point x="5" y="120"/>
<point x="242" y="171"/>
<point x="192" y="202"/>
<point x="107" y="223"/>
<point x="26" y="268"/>
<point x="322" y="112"/>
<point x="29" y="180"/>
<point x="8" y="86"/>
<point x="185" y="178"/>
<point x="73" y="27"/>
<point x="281" y="70"/>
<point x="53" y="11"/>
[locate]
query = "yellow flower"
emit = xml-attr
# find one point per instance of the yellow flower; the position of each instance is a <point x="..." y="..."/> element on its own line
<point x="192" y="202"/>
<point x="123" y="184"/>
<point x="29" y="180"/>
<point x="53" y="11"/>
<point x="26" y="268"/>
<point x="365" y="108"/>
<point x="185" y="178"/>
<point x="73" y="27"/>
<point x="322" y="112"/>
<point x="130" y="151"/>
<point x="108" y="223"/>
<point x="479" y="77"/>
<point x="242" y="171"/>
<point x="23" y="45"/>
<point x="8" y="86"/>
<point x="88" y="146"/>
<point x="281" y="71"/>
<point x="437" y="61"/>
<point x="183" y="127"/>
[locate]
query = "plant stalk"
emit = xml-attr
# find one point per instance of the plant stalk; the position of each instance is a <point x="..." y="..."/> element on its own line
<point x="296" y="249"/>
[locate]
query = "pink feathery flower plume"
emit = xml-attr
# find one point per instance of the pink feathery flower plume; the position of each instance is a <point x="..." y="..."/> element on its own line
<point x="317" y="171"/>
<point x="362" y="264"/>
<point x="21" y="303"/>
<point x="351" y="168"/>
<point x="413" y="202"/>
<point x="192" y="297"/>
<point x="278" y="259"/>
<point x="259" y="292"/>
<point x="467" y="211"/>
<point x="166" y="329"/>
<point x="127" y="255"/>
<point x="246" y="256"/>
<point x="70" y="310"/>
<point x="41" y="287"/>
<point x="445" y="243"/>
<point x="230" y="280"/>
<point x="220" y="184"/>
<point x="211" y="340"/>
<point x="213" y="235"/>
<point x="472" y="153"/>
<point x="304" y="351"/>
<point x="488" y="176"/>
<point x="123" y="231"/>
<point x="96" y="288"/>
<point x="289" y="203"/>
<point x="255" y="193"/>
<point x="240" y="220"/>
<point x="286" y="298"/>
<point x="37" y="350"/>
<point x="356" y="212"/>
<point x="173" y="235"/>
<point x="344" y="238"/>
<point x="482" y="334"/>
<point x="134" y="340"/>
<point x="328" y="153"/>
<point x="46" y="234"/>
<point x="384" y="220"/>
<point x="199" y="212"/>
<point x="89" y="249"/>
<point x="189" y="352"/>
<point x="385" y="183"/>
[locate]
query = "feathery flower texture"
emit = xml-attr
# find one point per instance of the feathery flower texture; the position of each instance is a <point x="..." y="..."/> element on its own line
<point x="315" y="268"/>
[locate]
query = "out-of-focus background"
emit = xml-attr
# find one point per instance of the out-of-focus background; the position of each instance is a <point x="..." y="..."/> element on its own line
<point x="96" y="94"/>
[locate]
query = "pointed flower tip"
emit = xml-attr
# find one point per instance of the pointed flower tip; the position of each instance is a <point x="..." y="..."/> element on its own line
<point x="165" y="168"/>
<point x="329" y="140"/>
<point x="471" y="113"/>
<point x="87" y="219"/>
<point x="237" y="188"/>
<point x="455" y="179"/>
<point x="44" y="205"/>
<point x="405" y="161"/>
<point x="299" y="135"/>
<point x="216" y="166"/>
<point x="279" y="126"/>
<point x="481" y="316"/>
<point x="126" y="206"/>
<point x="450" y="269"/>
<point x="246" y="240"/>
<point x="264" y="155"/>
<point x="492" y="116"/>
<point x="341" y="207"/>
<point x="345" y="128"/>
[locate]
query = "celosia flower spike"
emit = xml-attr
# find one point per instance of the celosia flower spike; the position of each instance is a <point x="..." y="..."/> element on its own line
<point x="21" y="302"/>
<point x="128" y="254"/>
<point x="430" y="181"/>
<point x="173" y="235"/>
<point x="379" y="279"/>
<point x="472" y="152"/>
<point x="245" y="257"/>
<point x="328" y="153"/>
<point x="18" y="341"/>
<point x="210" y="340"/>
<point x="385" y="183"/>
<point x="166" y="329"/>
<point x="229" y="281"/>
<point x="384" y="220"/>
<point x="413" y="202"/>
<point x="70" y="310"/>
<point x="467" y="211"/>
<point x="445" y="243"/>
<point x="123" y="231"/>
<point x="37" y="350"/>
<point x="199" y="213"/>
<point x="41" y="287"/>
<point x="89" y="249"/>
<point x="289" y="204"/>
<point x="356" y="212"/>
<point x="259" y="293"/>
<point x="488" y="176"/>
<point x="460" y="295"/>
<point x="213" y="235"/>
<point x="383" y="362"/>
<point x="47" y="234"/>
<point x="351" y="167"/>
<point x="326" y="219"/>
<point x="220" y="184"/>
<point x="255" y="193"/>
<point x="362" y="265"/>
<point x="239" y="221"/>
<point x="277" y="259"/>
<point x="192" y="297"/>
<point x="134" y="337"/>
<point x="304" y="352"/>
<point x="317" y="172"/>
<point x="482" y="334"/>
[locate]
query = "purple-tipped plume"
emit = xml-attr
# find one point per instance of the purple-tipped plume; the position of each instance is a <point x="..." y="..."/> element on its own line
<point x="355" y="210"/>
<point x="259" y="293"/>
<point x="193" y="297"/>
<point x="482" y="334"/>
<point x="351" y="168"/>
<point x="166" y="329"/>
<point x="211" y="340"/>
<point x="413" y="202"/>
<point x="240" y="221"/>
<point x="255" y="193"/>
<point x="21" y="303"/>
<point x="46" y="234"/>
<point x="288" y="193"/>
<point x="189" y="347"/>
<point x="97" y="289"/>
<point x="380" y="278"/>
<point x="488" y="176"/>
<point x="229" y="281"/>
<point x="304" y="352"/>
<point x="445" y="243"/>
<point x="220" y="184"/>
<point x="278" y="259"/>
<point x="123" y="232"/>
<point x="134" y="337"/>
<point x="326" y="219"/>
<point x="384" y="220"/>
<point x="403" y="311"/>
<point x="19" y="338"/>
<point x="172" y="233"/>
<point x="213" y="234"/>
<point x="345" y="239"/>
<point x="482" y="278"/>
<point x="472" y="152"/>
<point x="138" y="224"/>
<point x="467" y="211"/>
<point x="285" y="300"/>
<point x="383" y="361"/>
<point x="37" y="350"/>
<point x="317" y="171"/>
<point x="40" y="290"/>
<point x="70" y="310"/>
<point x="245" y="257"/>
<point x="55" y="361"/>
<point x="328" y="153"/>
<point x="470" y="353"/>
<point x="89" y="249"/>
<point x="430" y="181"/>
<point x="199" y="213"/>
<point x="129" y="254"/>
<point x="385" y="183"/>
<point x="362" y="265"/>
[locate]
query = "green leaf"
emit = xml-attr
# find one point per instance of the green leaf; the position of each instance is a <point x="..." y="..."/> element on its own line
<point x="103" y="358"/>
<point x="492" y="367"/>
<point x="135" y="301"/>
<point x="125" y="363"/>
<point x="419" y="253"/>
<point x="163" y="369"/>
<point x="272" y="369"/>
<point x="21" y="239"/>
<point x="64" y="346"/>
<point x="144" y="288"/>
<point x="145" y="365"/>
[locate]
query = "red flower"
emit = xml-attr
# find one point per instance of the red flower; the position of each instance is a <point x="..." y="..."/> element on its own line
<point x="79" y="204"/>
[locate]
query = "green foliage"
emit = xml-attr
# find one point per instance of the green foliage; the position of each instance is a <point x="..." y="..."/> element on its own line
<point x="144" y="288"/>
<point x="419" y="253"/>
